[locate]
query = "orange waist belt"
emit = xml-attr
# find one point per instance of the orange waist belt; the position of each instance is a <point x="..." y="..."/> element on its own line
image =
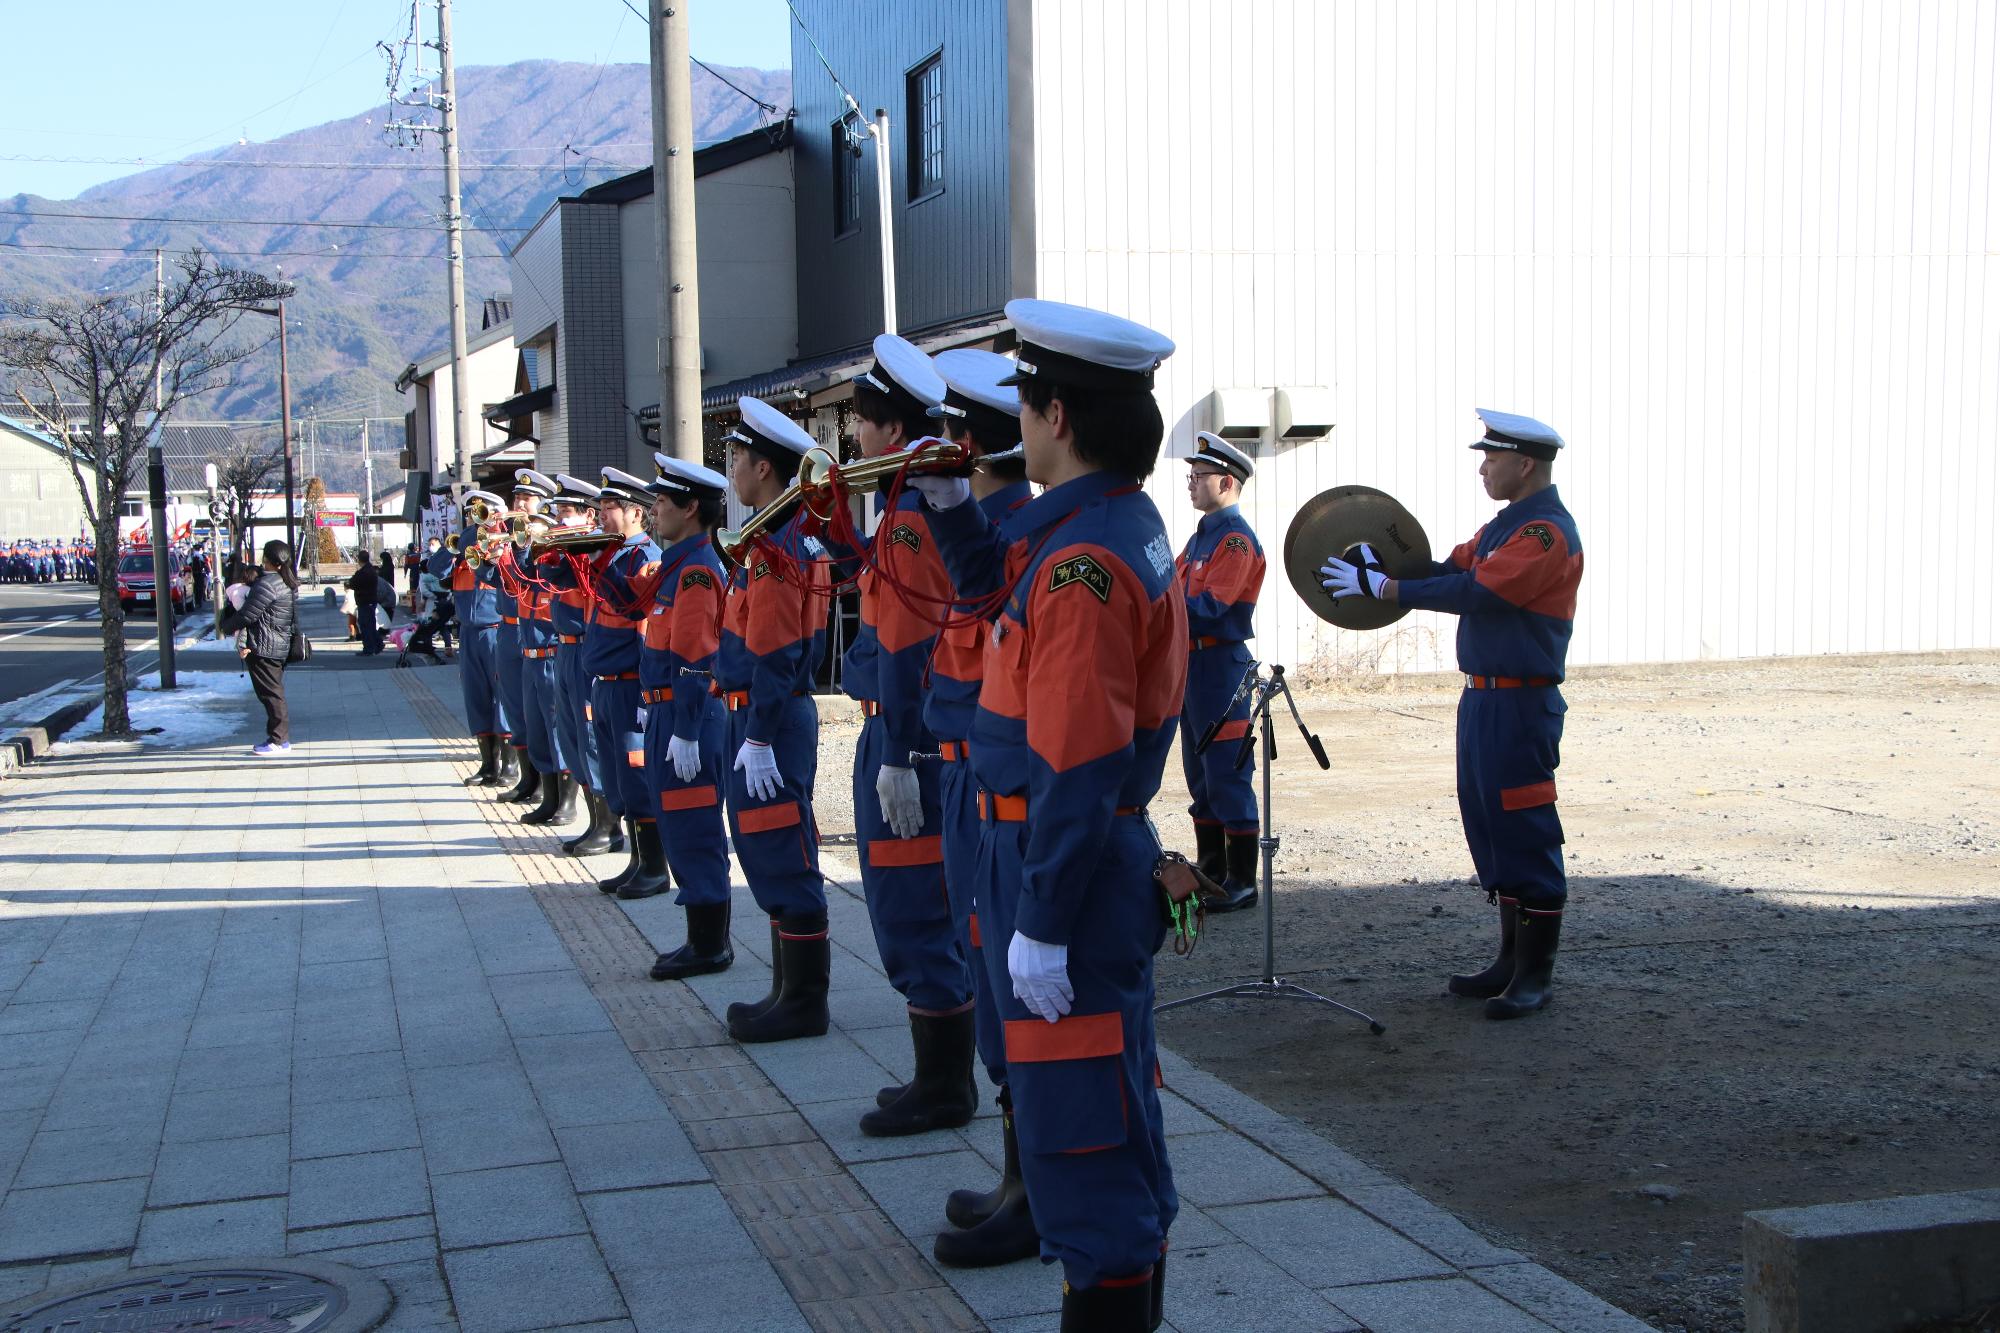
<point x="954" y="752"/>
<point x="735" y="699"/>
<point x="622" y="675"/>
<point x="569" y="638"/>
<point x="538" y="653"/>
<point x="660" y="696"/>
<point x="1014" y="809"/>
<point x="510" y="620"/>
<point x="1507" y="682"/>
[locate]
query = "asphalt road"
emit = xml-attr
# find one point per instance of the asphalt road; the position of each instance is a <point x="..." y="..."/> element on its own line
<point x="49" y="634"/>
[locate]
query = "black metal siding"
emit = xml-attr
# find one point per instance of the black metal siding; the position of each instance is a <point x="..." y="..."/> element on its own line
<point x="952" y="256"/>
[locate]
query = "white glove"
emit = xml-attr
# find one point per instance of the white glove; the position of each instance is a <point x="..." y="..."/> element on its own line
<point x="1342" y="579"/>
<point x="1041" y="976"/>
<point x="902" y="803"/>
<point x="640" y="718"/>
<point x="760" y="769"/>
<point x="942" y="493"/>
<point x="685" y="756"/>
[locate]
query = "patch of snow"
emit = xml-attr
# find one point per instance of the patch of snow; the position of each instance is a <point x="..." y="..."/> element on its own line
<point x="203" y="711"/>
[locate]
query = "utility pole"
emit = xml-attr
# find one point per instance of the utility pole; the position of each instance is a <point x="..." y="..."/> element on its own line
<point x="367" y="488"/>
<point x="156" y="491"/>
<point x="673" y="202"/>
<point x="885" y="199"/>
<point x="454" y="233"/>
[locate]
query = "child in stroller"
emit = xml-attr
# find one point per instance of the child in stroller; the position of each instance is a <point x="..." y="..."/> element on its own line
<point x="423" y="636"/>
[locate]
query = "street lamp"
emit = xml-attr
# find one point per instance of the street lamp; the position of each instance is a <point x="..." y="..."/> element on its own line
<point x="285" y="413"/>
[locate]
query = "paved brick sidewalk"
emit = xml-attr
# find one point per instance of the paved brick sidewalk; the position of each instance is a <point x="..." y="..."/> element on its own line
<point x="335" y="1005"/>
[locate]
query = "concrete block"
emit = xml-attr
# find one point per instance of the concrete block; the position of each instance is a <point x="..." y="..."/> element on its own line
<point x="1884" y="1263"/>
<point x="362" y="1188"/>
<point x="70" y="1219"/>
<point x="536" y="1284"/>
<point x="674" y="1230"/>
<point x="742" y="1295"/>
<point x="346" y="1078"/>
<point x="634" y="1155"/>
<point x="1326" y="1243"/>
<point x="481" y="1140"/>
<point x="73" y="1156"/>
<point x="1431" y="1227"/>
<point x="839" y="1123"/>
<point x="507" y="1204"/>
<point x="218" y="1169"/>
<point x="229" y="1113"/>
<point x="338" y="1129"/>
<point x="1218" y="1169"/>
<point x="1450" y="1306"/>
<point x="1556" y="1300"/>
<point x="211" y="1231"/>
<point x="1230" y="1288"/>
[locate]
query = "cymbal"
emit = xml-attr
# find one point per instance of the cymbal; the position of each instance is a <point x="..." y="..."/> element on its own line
<point x="1334" y="523"/>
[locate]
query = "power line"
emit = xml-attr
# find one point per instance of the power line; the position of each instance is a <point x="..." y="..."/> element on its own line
<point x="235" y="222"/>
<point x="769" y="108"/>
<point x="146" y="165"/>
<point x="335" y="253"/>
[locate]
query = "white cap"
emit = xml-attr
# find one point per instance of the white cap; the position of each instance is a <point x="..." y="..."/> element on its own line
<point x="973" y="377"/>
<point x="484" y="497"/>
<point x="901" y="371"/>
<point x="684" y="480"/>
<point x="771" y="433"/>
<point x="622" y="485"/>
<point x="535" y="483"/>
<point x="1214" y="451"/>
<point x="1073" y="344"/>
<point x="575" y="490"/>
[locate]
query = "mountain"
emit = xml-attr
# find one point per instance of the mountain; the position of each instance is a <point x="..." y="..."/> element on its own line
<point x="371" y="298"/>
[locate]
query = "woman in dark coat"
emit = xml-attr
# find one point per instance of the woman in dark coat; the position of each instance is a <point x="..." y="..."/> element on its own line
<point x="269" y="614"/>
<point x="367" y="585"/>
<point x="386" y="587"/>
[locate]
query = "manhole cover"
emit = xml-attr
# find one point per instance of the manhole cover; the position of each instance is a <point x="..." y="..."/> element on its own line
<point x="251" y="1296"/>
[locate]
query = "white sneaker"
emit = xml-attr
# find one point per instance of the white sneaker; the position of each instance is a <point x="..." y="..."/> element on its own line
<point x="267" y="749"/>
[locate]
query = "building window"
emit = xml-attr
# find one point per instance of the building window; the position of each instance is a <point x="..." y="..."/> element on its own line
<point x="924" y="117"/>
<point x="846" y="175"/>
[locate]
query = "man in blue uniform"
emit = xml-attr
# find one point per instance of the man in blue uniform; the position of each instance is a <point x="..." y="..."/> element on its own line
<point x="773" y="636"/>
<point x="531" y="491"/>
<point x="1513" y="587"/>
<point x="1221" y="570"/>
<point x="687" y="726"/>
<point x="475" y="591"/>
<point x="992" y="1226"/>
<point x="904" y="593"/>
<point x="611" y="659"/>
<point x="576" y="511"/>
<point x="1085" y="667"/>
<point x="544" y="758"/>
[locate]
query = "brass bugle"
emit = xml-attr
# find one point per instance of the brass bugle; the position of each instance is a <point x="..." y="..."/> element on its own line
<point x="528" y="527"/>
<point x="821" y="470"/>
<point x="733" y="542"/>
<point x="577" y="542"/>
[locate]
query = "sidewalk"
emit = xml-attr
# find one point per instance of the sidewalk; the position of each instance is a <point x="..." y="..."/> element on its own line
<point x="326" y="1005"/>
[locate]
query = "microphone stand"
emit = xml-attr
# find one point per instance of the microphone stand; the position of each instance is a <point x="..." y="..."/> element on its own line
<point x="1263" y="689"/>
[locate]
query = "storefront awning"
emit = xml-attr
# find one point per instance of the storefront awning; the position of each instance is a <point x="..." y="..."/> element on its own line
<point x="534" y="400"/>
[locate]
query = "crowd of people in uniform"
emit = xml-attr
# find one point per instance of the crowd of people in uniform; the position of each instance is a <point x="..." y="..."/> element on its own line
<point x="1030" y="650"/>
<point x="46" y="560"/>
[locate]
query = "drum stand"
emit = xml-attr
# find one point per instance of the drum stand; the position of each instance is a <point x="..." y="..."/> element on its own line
<point x="1263" y="689"/>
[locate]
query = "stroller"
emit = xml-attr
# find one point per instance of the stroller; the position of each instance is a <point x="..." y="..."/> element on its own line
<point x="423" y="637"/>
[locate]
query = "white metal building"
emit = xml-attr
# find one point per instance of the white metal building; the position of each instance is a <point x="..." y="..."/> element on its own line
<point x="1745" y="256"/>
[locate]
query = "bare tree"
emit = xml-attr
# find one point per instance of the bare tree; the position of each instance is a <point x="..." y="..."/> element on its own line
<point x="249" y="467"/>
<point x="129" y="359"/>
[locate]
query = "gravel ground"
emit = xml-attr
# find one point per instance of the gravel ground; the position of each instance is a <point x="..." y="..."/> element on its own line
<point x="1775" y="985"/>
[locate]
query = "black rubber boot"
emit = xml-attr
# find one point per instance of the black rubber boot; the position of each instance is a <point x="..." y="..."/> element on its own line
<point x="489" y="760"/>
<point x="651" y="877"/>
<point x="631" y="866"/>
<point x="1158" y="1302"/>
<point x="567" y="787"/>
<point x="744" y="1010"/>
<point x="997" y="1227"/>
<point x="800" y="1010"/>
<point x="557" y="790"/>
<point x="1485" y="985"/>
<point x="707" y="948"/>
<point x="603" y="833"/>
<point x="509" y="771"/>
<point x="1535" y="939"/>
<point x="942" y="1095"/>
<point x="1125" y="1308"/>
<point x="1239" y="888"/>
<point x="1208" y="853"/>
<point x="529" y="789"/>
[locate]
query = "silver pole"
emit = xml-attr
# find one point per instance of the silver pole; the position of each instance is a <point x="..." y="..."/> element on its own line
<point x="885" y="193"/>
<point x="679" y="346"/>
<point x="463" y="428"/>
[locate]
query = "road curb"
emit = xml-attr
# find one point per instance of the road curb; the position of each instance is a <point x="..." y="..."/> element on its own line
<point x="22" y="746"/>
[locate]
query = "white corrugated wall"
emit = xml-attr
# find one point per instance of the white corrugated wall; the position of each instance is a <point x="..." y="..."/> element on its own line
<point x="1745" y="256"/>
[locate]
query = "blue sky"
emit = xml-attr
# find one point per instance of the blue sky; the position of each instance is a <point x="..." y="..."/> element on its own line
<point x="124" y="79"/>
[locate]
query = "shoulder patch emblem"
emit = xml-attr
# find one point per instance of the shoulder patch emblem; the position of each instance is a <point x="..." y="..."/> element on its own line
<point x="1081" y="569"/>
<point x="1540" y="532"/>
<point x="697" y="578"/>
<point x="762" y="568"/>
<point x="1236" y="543"/>
<point x="905" y="535"/>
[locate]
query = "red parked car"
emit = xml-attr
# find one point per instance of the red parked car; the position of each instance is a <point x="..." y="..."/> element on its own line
<point x="135" y="581"/>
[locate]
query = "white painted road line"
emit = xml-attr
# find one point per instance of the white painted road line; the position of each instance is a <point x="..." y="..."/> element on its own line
<point x="68" y="620"/>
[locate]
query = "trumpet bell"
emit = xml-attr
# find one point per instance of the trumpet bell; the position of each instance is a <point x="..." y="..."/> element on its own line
<point x="1333" y="523"/>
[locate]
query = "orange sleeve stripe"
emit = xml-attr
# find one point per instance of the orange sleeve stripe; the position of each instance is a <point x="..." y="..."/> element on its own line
<point x="1232" y="575"/>
<point x="1075" y="1037"/>
<point x="1528" y="797"/>
<point x="687" y="798"/>
<point x="697" y="623"/>
<point x="1233" y="731"/>
<point x="1523" y="570"/>
<point x="635" y="758"/>
<point x="894" y="852"/>
<point x="972" y="926"/>
<point x="769" y="817"/>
